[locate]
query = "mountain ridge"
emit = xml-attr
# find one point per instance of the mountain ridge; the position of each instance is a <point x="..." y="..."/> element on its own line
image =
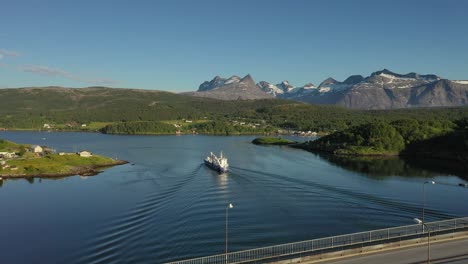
<point x="233" y="88"/>
<point x="383" y="89"/>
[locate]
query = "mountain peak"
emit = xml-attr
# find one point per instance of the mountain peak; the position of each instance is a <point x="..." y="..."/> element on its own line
<point x="285" y="86"/>
<point x="216" y="82"/>
<point x="309" y="85"/>
<point x="329" y="80"/>
<point x="384" y="71"/>
<point x="248" y="78"/>
<point x="354" y="79"/>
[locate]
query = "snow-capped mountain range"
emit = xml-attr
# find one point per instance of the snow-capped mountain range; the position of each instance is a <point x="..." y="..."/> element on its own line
<point x="381" y="90"/>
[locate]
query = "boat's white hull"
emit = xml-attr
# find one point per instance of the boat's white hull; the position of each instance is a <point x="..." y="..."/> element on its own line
<point x="216" y="167"/>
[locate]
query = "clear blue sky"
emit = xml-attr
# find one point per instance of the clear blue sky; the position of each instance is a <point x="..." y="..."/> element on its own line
<point x="175" y="45"/>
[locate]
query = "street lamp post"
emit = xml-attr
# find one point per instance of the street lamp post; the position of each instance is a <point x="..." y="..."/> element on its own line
<point x="423" y="223"/>
<point x="227" y="228"/>
<point x="424" y="201"/>
<point x="428" y="238"/>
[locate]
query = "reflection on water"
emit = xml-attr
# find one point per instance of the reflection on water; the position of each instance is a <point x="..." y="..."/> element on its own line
<point x="222" y="179"/>
<point x="441" y="167"/>
<point x="32" y="179"/>
<point x="382" y="167"/>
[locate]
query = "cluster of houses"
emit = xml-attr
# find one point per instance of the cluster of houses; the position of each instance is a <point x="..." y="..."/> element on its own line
<point x="241" y="123"/>
<point x="42" y="151"/>
<point x="306" y="133"/>
<point x="70" y="124"/>
<point x="7" y="155"/>
<point x="39" y="151"/>
<point x="297" y="133"/>
<point x="36" y="149"/>
<point x="83" y="153"/>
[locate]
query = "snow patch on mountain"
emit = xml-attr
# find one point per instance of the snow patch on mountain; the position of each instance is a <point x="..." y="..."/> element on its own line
<point x="393" y="77"/>
<point x="333" y="87"/>
<point x="270" y="88"/>
<point x="233" y="79"/>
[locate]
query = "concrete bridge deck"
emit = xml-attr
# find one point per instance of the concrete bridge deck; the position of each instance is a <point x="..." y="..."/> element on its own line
<point x="452" y="251"/>
<point x="446" y="248"/>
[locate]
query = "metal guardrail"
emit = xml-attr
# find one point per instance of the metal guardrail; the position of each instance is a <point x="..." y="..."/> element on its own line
<point x="309" y="246"/>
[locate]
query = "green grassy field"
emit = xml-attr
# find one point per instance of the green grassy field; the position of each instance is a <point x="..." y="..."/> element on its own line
<point x="54" y="164"/>
<point x="9" y="146"/>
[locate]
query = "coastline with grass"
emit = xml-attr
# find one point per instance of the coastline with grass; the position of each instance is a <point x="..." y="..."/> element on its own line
<point x="22" y="160"/>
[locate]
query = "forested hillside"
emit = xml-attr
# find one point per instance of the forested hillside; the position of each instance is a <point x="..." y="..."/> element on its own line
<point x="435" y="139"/>
<point x="31" y="108"/>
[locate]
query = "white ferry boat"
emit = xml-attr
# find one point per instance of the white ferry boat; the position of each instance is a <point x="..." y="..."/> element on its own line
<point x="218" y="164"/>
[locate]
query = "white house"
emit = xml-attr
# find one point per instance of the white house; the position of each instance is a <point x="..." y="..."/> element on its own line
<point x="8" y="155"/>
<point x="85" y="154"/>
<point x="37" y="149"/>
<point x="83" y="125"/>
<point x="46" y="126"/>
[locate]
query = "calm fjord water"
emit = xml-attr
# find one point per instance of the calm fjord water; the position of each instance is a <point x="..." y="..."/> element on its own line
<point x="165" y="205"/>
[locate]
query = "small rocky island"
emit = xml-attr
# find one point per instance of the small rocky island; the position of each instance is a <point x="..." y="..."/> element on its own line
<point x="272" y="141"/>
<point x="21" y="160"/>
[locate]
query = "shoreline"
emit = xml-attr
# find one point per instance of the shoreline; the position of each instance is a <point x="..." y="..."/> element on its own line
<point x="298" y="146"/>
<point x="427" y="155"/>
<point x="79" y="170"/>
<point x="155" y="134"/>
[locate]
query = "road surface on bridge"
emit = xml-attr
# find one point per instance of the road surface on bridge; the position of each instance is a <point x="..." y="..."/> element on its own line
<point x="453" y="252"/>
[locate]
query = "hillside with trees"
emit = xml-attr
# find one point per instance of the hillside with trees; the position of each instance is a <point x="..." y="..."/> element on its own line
<point x="407" y="137"/>
<point x="139" y="128"/>
<point x="69" y="108"/>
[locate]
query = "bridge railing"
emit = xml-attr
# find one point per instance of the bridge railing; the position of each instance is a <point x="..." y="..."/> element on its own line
<point x="348" y="240"/>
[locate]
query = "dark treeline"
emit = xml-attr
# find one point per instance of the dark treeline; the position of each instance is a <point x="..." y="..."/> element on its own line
<point x="139" y="127"/>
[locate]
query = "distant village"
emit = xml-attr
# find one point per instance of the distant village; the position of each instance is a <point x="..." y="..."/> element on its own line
<point x="252" y="125"/>
<point x="69" y="124"/>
